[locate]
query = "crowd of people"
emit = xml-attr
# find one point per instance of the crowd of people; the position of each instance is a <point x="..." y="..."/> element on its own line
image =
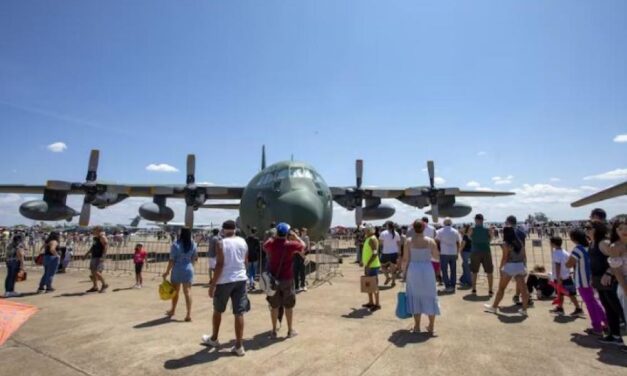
<point x="420" y="256"/>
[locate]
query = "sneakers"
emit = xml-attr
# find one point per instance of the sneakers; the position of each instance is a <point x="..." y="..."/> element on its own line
<point x="516" y="300"/>
<point x="592" y="332"/>
<point x="305" y="288"/>
<point x="523" y="312"/>
<point x="375" y="308"/>
<point x="489" y="308"/>
<point x="578" y="312"/>
<point x="206" y="340"/>
<point x="557" y="311"/>
<point x="612" y="340"/>
<point x="239" y="351"/>
<point x="137" y="287"/>
<point x="292" y="333"/>
<point x="12" y="294"/>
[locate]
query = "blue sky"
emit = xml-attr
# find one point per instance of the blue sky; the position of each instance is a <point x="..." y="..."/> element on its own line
<point x="532" y="90"/>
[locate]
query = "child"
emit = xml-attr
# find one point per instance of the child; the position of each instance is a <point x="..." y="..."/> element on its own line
<point x="580" y="259"/>
<point x="563" y="282"/>
<point x="538" y="280"/>
<point x="138" y="258"/>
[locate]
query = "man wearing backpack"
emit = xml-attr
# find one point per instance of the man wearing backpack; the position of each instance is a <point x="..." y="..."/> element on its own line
<point x="281" y="250"/>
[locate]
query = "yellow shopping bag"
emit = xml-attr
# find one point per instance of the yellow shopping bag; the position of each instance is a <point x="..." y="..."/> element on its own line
<point x="166" y="290"/>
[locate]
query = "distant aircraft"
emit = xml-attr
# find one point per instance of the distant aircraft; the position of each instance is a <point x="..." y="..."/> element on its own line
<point x="292" y="192"/>
<point x="606" y="194"/>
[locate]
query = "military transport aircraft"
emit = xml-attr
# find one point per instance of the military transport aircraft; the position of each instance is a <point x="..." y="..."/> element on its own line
<point x="606" y="194"/>
<point x="292" y="192"/>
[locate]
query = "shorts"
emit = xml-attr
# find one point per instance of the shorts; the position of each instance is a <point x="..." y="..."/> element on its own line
<point x="139" y="267"/>
<point x="236" y="291"/>
<point x="389" y="258"/>
<point x="569" y="286"/>
<point x="212" y="263"/>
<point x="96" y="264"/>
<point x="373" y="272"/>
<point x="514" y="269"/>
<point x="285" y="295"/>
<point x="484" y="259"/>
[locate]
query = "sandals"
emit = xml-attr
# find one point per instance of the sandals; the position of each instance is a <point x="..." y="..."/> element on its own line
<point x="93" y="289"/>
<point x="169" y="314"/>
<point x="188" y="319"/>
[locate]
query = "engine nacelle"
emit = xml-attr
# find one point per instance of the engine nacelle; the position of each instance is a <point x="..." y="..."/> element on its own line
<point x="456" y="210"/>
<point x="415" y="201"/>
<point x="40" y="210"/>
<point x="381" y="211"/>
<point x="107" y="199"/>
<point x="155" y="212"/>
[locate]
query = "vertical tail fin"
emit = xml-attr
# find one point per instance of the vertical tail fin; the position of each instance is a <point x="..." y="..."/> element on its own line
<point x="263" y="157"/>
<point x="135" y="221"/>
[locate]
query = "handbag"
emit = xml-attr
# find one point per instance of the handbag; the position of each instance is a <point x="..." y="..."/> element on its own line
<point x="166" y="290"/>
<point x="39" y="260"/>
<point x="267" y="282"/>
<point x="21" y="276"/>
<point x="401" y="305"/>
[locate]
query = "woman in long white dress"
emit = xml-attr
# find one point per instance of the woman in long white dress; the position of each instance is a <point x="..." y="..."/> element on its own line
<point x="422" y="295"/>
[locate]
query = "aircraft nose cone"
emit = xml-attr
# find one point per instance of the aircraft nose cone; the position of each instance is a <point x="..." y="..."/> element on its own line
<point x="300" y="208"/>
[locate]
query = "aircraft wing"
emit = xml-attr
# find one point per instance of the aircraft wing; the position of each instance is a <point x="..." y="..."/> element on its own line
<point x="131" y="190"/>
<point x="483" y="194"/>
<point x="221" y="206"/>
<point x="615" y="191"/>
<point x="374" y="192"/>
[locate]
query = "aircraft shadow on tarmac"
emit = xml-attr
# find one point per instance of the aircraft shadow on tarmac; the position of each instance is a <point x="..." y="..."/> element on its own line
<point x="358" y="313"/>
<point x="404" y="337"/>
<point x="210" y="354"/>
<point x="476" y="298"/>
<point x="607" y="354"/>
<point x="156" y="322"/>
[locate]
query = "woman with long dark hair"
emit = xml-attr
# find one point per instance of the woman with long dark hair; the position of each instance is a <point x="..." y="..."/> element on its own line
<point x="603" y="280"/>
<point x="182" y="256"/>
<point x="618" y="260"/>
<point x="15" y="265"/>
<point x="51" y="262"/>
<point x="512" y="267"/>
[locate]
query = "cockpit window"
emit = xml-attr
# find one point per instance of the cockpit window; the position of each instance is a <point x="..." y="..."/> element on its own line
<point x="299" y="172"/>
<point x="282" y="174"/>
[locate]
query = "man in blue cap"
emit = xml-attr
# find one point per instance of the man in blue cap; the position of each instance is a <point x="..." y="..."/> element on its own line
<point x="281" y="250"/>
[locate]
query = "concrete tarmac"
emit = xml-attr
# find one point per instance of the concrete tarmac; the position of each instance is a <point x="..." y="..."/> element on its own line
<point x="124" y="332"/>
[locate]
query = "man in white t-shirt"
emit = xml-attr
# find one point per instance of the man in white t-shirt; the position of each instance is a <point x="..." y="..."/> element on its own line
<point x="449" y="242"/>
<point x="229" y="282"/>
<point x="429" y="232"/>
<point x="390" y="243"/>
<point x="561" y="276"/>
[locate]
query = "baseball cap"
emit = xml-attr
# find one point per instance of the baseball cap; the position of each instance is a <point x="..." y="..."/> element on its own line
<point x="282" y="229"/>
<point x="228" y="225"/>
<point x="448" y="222"/>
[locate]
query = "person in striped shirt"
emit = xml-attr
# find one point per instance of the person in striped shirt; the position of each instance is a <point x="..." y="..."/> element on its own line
<point x="580" y="260"/>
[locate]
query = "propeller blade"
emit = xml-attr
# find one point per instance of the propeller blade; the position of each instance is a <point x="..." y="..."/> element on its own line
<point x="435" y="213"/>
<point x="431" y="169"/>
<point x="92" y="167"/>
<point x="83" y="220"/>
<point x="189" y="217"/>
<point x="191" y="168"/>
<point x="359" y="215"/>
<point x="359" y="172"/>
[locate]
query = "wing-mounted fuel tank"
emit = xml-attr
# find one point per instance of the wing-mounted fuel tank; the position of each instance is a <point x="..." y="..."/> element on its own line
<point x="51" y="208"/>
<point x="157" y="210"/>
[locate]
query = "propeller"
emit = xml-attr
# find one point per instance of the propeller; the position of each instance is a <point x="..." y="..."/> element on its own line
<point x="190" y="191"/>
<point x="194" y="196"/>
<point x="433" y="192"/>
<point x="90" y="188"/>
<point x="359" y="193"/>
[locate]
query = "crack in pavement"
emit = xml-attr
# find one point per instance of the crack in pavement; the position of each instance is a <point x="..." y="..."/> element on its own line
<point x="52" y="357"/>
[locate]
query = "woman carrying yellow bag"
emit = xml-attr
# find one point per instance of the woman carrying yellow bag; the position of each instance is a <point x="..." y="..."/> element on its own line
<point x="166" y="290"/>
<point x="182" y="256"/>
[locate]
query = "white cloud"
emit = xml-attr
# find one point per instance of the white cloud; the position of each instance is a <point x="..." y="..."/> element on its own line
<point x="588" y="188"/>
<point x="619" y="173"/>
<point x="161" y="167"/>
<point x="545" y="193"/>
<point x="482" y="154"/>
<point x="473" y="184"/>
<point x="497" y="180"/>
<point x="555" y="180"/>
<point x="485" y="189"/>
<point x="57" y="147"/>
<point x="621" y="138"/>
<point x="206" y="183"/>
<point x="439" y="180"/>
